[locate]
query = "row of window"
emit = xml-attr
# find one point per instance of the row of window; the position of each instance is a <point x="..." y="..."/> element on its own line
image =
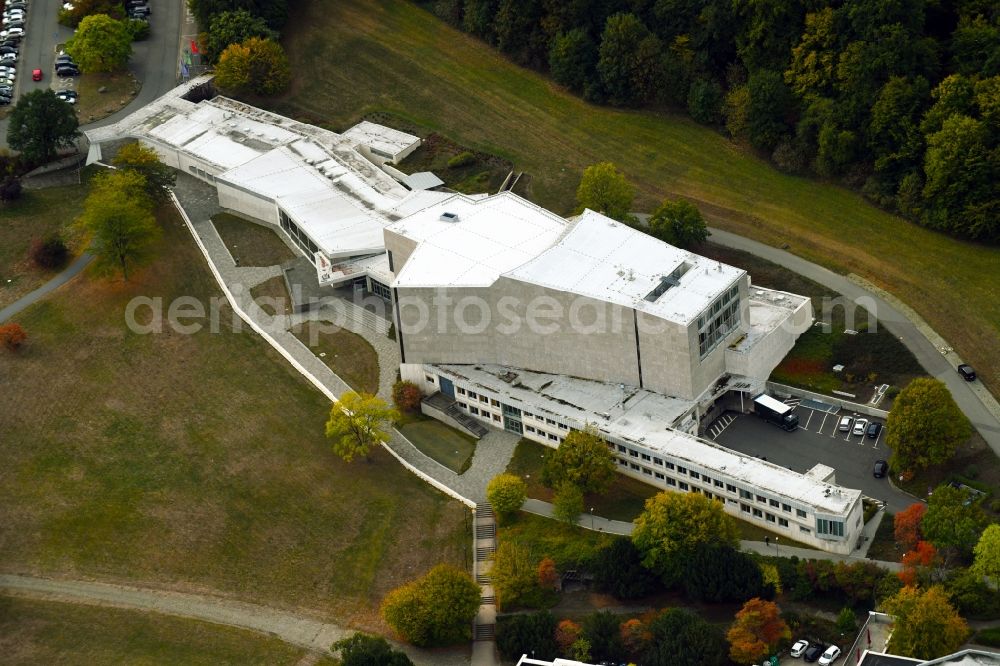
<point x="204" y="175"/>
<point x="485" y="413"/>
<point x="382" y="290"/>
<point x="297" y="235"/>
<point x="831" y="527"/>
<point x="472" y="395"/>
<point x="718" y="320"/>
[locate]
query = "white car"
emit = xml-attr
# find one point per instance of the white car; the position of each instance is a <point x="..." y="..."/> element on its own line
<point x="17" y="33"/>
<point x="799" y="648"/>
<point x="860" y="426"/>
<point x="8" y="58"/>
<point x="8" y="70"/>
<point x="831" y="655"/>
<point x="16" y="18"/>
<point x="845" y="424"/>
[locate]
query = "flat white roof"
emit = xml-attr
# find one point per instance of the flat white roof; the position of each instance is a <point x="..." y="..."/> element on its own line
<point x="488" y="237"/>
<point x="384" y="140"/>
<point x="646" y="419"/>
<point x="609" y="261"/>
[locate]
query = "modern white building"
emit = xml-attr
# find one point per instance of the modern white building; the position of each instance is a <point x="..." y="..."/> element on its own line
<point x="515" y="316"/>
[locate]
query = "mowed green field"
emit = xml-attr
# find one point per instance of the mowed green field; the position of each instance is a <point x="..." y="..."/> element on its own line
<point x="196" y="462"/>
<point x="50" y="632"/>
<point x="355" y="57"/>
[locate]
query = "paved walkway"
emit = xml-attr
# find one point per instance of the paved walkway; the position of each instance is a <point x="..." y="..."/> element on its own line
<point x="33" y="297"/>
<point x="919" y="338"/>
<point x="305" y="632"/>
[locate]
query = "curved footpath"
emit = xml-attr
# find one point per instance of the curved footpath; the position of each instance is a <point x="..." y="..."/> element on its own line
<point x="972" y="397"/>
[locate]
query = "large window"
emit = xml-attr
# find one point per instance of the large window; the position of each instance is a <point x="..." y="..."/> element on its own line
<point x="831" y="527"/>
<point x="301" y="239"/>
<point x="718" y="320"/>
<point x="380" y="289"/>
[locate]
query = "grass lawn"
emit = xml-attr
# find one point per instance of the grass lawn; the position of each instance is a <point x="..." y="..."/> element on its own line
<point x="483" y="173"/>
<point x="120" y="88"/>
<point x="348" y="354"/>
<point x="869" y="359"/>
<point x="567" y="545"/>
<point x="448" y="446"/>
<point x="36" y="214"/>
<point x="51" y="632"/>
<point x="197" y="462"/>
<point x="404" y="61"/>
<point x="884" y="546"/>
<point x="974" y="464"/>
<point x="251" y="244"/>
<point x="272" y="296"/>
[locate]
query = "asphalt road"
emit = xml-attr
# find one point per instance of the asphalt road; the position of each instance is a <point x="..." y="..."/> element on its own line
<point x="896" y="322"/>
<point x="154" y="61"/>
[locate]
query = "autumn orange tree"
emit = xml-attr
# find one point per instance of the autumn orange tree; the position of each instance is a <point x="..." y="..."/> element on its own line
<point x="756" y="632"/>
<point x="906" y="525"/>
<point x="12" y="336"/>
<point x="567" y="633"/>
<point x="926" y="625"/>
<point x="634" y="635"/>
<point x="917" y="562"/>
<point x="548" y="577"/>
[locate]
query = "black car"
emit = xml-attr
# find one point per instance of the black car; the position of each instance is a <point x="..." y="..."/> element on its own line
<point x="4" y="101"/>
<point x="874" y="428"/>
<point x="967" y="372"/>
<point x="881" y="469"/>
<point x="814" y="652"/>
<point x="65" y="70"/>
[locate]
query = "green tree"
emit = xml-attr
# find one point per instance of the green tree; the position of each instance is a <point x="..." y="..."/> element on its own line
<point x="256" y="65"/>
<point x="234" y="27"/>
<point x="366" y="650"/>
<point x="925" y="425"/>
<point x="814" y="58"/>
<point x="704" y="101"/>
<point x="602" y="632"/>
<point x="847" y="624"/>
<point x="835" y="151"/>
<point x="101" y="44"/>
<point x="736" y="109"/>
<point x="605" y="190"/>
<point x="159" y="177"/>
<point x="954" y="96"/>
<point x="770" y="105"/>
<point x="515" y="576"/>
<point x="679" y="223"/>
<point x="629" y="60"/>
<point x="567" y="505"/>
<point x="673" y="524"/>
<point x="527" y="633"/>
<point x="434" y="610"/>
<point x="720" y="573"/>
<point x="756" y="632"/>
<point x="40" y="124"/>
<point x="926" y="625"/>
<point x="975" y="47"/>
<point x="506" y="494"/>
<point x="117" y="220"/>
<point x="951" y="523"/>
<point x="895" y="138"/>
<point x="618" y="570"/>
<point x="582" y="460"/>
<point x="274" y="12"/>
<point x="987" y="552"/>
<point x="573" y="59"/>
<point x="357" y="423"/>
<point x="680" y="636"/>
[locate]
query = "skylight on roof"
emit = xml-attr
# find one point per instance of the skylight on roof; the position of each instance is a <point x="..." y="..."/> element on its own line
<point x="667" y="281"/>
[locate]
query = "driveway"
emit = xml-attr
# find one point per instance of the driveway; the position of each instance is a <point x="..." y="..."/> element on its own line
<point x="816" y="441"/>
<point x="154" y="61"/>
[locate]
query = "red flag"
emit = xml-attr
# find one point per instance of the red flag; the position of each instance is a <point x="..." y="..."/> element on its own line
<point x="869" y="637"/>
<point x="194" y="46"/>
<point x="859" y="655"/>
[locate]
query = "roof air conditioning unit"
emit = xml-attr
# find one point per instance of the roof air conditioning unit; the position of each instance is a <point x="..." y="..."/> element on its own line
<point x="448" y="217"/>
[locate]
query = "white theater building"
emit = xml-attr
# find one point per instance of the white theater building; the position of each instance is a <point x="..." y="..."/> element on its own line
<point x="517" y="317"/>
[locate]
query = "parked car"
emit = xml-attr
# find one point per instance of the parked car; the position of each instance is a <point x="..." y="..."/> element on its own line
<point x="6" y="90"/>
<point x="860" y="427"/>
<point x="66" y="70"/>
<point x="880" y="469"/>
<point x="4" y="101"/>
<point x="9" y="69"/>
<point x="17" y="5"/>
<point x="799" y="648"/>
<point x="12" y="33"/>
<point x="874" y="428"/>
<point x="967" y="372"/>
<point x="831" y="655"/>
<point x="36" y="75"/>
<point x="814" y="651"/>
<point x="845" y="423"/>
<point x="68" y="96"/>
<point x="8" y="58"/>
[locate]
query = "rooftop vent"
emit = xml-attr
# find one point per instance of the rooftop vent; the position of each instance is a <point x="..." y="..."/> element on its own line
<point x="667" y="281"/>
<point x="448" y="217"/>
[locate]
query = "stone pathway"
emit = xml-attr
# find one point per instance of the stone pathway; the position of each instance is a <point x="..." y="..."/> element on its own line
<point x="305" y="632"/>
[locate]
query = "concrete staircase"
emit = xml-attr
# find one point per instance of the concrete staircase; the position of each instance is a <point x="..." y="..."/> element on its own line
<point x="485" y="546"/>
<point x="448" y="407"/>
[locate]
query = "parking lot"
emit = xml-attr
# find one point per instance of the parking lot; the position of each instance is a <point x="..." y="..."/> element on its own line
<point x="817" y="440"/>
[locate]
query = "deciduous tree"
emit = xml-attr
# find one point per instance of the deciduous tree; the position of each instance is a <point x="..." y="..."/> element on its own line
<point x="721" y="573"/>
<point x="906" y="525"/>
<point x="618" y="570"/>
<point x="679" y="636"/>
<point x="506" y="494"/>
<point x="12" y="336"/>
<point x="548" y="577"/>
<point x="357" y="423"/>
<point x="274" y="12"/>
<point x="605" y="190"/>
<point x="434" y="610"/>
<point x="406" y="396"/>
<point x="366" y="650"/>
<point x="101" y="44"/>
<point x="573" y="60"/>
<point x="925" y="425"/>
<point x="40" y="124"/>
<point x="234" y="27"/>
<point x="673" y="524"/>
<point x="629" y="60"/>
<point x="256" y="65"/>
<point x="117" y="220"/>
<point x="679" y="223"/>
<point x="582" y="460"/>
<point x="987" y="552"/>
<point x="527" y="633"/>
<point x="159" y="177"/>
<point x="567" y="505"/>
<point x="601" y="629"/>
<point x="514" y="575"/>
<point x="567" y="633"/>
<point x="951" y="523"/>
<point x="926" y="624"/>
<point x="917" y="563"/>
<point x="756" y="631"/>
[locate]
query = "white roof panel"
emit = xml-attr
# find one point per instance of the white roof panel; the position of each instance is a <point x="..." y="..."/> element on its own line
<point x="383" y="139"/>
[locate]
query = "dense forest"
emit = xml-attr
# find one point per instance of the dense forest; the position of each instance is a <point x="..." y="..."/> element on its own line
<point x="898" y="98"/>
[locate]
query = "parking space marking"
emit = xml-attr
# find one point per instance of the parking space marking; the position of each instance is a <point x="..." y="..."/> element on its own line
<point x="875" y="445"/>
<point x="820" y="431"/>
<point x="720" y="425"/>
<point x="811" y="412"/>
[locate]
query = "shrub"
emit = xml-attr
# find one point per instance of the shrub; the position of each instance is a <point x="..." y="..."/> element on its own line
<point x="406" y="396"/>
<point x="989" y="637"/>
<point x="618" y="570"/>
<point x="548" y="577"/>
<point x="506" y="493"/>
<point x="10" y="190"/>
<point x="49" y="253"/>
<point x="140" y="30"/>
<point x="515" y="578"/>
<point x="366" y="650"/>
<point x="12" y="336"/>
<point x="722" y="573"/>
<point x="462" y="159"/>
<point x="436" y="609"/>
<point x="532" y="633"/>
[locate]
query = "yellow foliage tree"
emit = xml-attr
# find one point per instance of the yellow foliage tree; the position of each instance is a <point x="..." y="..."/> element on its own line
<point x="258" y="65"/>
<point x="927" y="625"/>
<point x="756" y="631"/>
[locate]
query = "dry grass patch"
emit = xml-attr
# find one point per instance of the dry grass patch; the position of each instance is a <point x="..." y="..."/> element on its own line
<point x="197" y="462"/>
<point x="120" y="88"/>
<point x="251" y="244"/>
<point x="348" y="354"/>
<point x="272" y="296"/>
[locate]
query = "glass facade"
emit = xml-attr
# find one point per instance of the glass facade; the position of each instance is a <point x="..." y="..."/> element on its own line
<point x="719" y="320"/>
